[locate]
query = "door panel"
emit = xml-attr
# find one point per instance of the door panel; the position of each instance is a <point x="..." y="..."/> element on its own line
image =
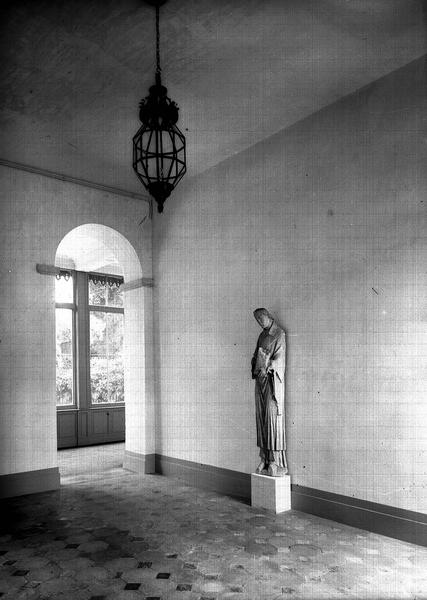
<point x="116" y="421"/>
<point x="67" y="428"/>
<point x="99" y="422"/>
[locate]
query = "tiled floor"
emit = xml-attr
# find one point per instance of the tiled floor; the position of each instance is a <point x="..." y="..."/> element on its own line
<point x="110" y="534"/>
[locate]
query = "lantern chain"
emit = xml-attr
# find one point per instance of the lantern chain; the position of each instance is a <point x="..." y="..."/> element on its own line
<point x="158" y="68"/>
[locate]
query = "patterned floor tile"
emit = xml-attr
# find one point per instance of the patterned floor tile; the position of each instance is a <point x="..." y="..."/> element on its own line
<point x="132" y="586"/>
<point x="108" y="534"/>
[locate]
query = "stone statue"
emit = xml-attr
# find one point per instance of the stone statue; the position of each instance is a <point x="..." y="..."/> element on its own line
<point x="268" y="370"/>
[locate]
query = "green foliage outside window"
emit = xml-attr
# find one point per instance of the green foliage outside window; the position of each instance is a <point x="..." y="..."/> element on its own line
<point x="64" y="358"/>
<point x="106" y="365"/>
<point x="107" y="383"/>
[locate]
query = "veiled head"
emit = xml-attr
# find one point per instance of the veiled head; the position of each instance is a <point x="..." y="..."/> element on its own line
<point x="263" y="317"/>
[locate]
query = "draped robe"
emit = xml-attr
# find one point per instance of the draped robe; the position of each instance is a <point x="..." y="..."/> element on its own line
<point x="268" y="369"/>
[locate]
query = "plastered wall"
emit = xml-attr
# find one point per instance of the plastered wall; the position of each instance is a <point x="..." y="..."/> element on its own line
<point x="36" y="213"/>
<point x="325" y="225"/>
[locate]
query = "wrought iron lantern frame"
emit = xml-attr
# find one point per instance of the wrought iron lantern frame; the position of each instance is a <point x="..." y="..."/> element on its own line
<point x="159" y="151"/>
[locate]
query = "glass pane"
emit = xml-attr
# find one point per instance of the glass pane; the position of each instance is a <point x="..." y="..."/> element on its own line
<point x="106" y="357"/>
<point x="64" y="290"/>
<point x="64" y="356"/>
<point x="104" y="295"/>
<point x="115" y="296"/>
<point x="97" y="294"/>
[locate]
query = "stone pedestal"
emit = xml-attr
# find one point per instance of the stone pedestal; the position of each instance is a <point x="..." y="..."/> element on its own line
<point x="272" y="493"/>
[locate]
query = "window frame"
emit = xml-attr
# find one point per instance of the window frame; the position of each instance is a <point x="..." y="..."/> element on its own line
<point x="81" y="309"/>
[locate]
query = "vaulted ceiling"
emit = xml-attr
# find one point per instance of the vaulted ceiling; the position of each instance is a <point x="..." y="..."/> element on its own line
<point x="73" y="73"/>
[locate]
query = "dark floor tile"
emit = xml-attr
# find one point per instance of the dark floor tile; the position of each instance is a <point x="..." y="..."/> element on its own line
<point x="132" y="586"/>
<point x="72" y="546"/>
<point x="163" y="575"/>
<point x="145" y="564"/>
<point x="20" y="573"/>
<point x="183" y="587"/>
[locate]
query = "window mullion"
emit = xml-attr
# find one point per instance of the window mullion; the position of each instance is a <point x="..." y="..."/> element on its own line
<point x="82" y="319"/>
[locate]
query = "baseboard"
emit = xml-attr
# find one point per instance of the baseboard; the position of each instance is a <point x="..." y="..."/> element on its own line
<point x="29" y="482"/>
<point x="216" y="479"/>
<point x="398" y="523"/>
<point x="139" y="463"/>
<point x="405" y="525"/>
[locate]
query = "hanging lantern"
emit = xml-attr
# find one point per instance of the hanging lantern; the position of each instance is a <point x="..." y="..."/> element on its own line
<point x="159" y="146"/>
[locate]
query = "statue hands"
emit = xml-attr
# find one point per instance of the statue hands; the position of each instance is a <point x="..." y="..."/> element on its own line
<point x="261" y="370"/>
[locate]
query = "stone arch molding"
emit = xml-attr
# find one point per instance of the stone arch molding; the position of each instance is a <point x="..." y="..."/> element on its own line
<point x="96" y="247"/>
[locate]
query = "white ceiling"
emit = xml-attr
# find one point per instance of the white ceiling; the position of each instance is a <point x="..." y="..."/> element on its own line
<point x="240" y="70"/>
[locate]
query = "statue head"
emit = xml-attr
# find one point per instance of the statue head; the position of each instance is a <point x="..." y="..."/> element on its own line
<point x="263" y="317"/>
